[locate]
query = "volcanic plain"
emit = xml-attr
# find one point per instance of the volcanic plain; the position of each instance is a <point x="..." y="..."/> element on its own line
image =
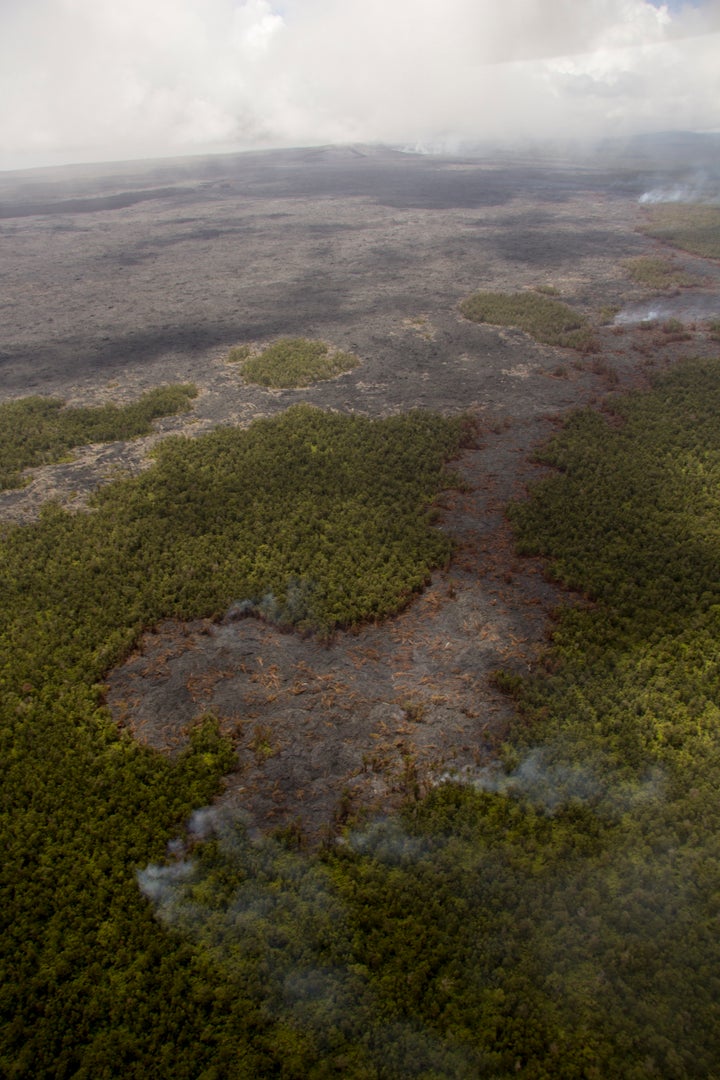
<point x="120" y="278"/>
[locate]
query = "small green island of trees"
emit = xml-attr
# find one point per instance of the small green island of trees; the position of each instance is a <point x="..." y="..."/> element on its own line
<point x="554" y="916"/>
<point x="289" y="363"/>
<point x="536" y="312"/>
<point x="43" y="431"/>
<point x="692" y="226"/>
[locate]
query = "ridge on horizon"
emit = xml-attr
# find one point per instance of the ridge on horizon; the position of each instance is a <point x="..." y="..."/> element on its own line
<point x="551" y="146"/>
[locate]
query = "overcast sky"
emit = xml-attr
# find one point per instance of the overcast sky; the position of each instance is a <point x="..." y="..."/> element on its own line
<point x="97" y="80"/>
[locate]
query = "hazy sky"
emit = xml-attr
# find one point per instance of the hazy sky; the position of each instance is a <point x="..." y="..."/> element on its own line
<point x="92" y="80"/>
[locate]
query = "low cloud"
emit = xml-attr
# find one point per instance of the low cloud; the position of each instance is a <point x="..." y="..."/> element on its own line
<point x="94" y="80"/>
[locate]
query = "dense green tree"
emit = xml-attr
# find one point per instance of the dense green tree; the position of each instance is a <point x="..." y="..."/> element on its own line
<point x="291" y="517"/>
<point x="40" y="431"/>
<point x="554" y="915"/>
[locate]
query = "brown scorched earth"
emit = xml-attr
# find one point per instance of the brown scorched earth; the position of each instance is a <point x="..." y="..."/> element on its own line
<point x="122" y="278"/>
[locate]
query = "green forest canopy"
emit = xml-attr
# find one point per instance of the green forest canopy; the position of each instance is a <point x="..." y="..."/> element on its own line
<point x="545" y="319"/>
<point x="318" y="519"/>
<point x="292" y="362"/>
<point x="556" y="917"/>
<point x="657" y="272"/>
<point x="41" y="431"/>
<point x="694" y="227"/>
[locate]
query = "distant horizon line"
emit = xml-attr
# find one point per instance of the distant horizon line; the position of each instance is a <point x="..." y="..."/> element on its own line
<point x="442" y="146"/>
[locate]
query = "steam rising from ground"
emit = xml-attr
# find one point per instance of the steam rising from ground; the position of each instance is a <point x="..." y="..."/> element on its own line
<point x="687" y="308"/>
<point x="701" y="189"/>
<point x="263" y="914"/>
<point x="94" y="80"/>
<point x="550" y="782"/>
<point x="275" y="891"/>
<point x="274" y="924"/>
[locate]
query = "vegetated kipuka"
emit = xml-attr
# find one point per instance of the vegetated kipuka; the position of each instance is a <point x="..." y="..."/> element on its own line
<point x="41" y="431"/>
<point x="547" y="320"/>
<point x="659" y="273"/>
<point x="693" y="227"/>
<point x="291" y="362"/>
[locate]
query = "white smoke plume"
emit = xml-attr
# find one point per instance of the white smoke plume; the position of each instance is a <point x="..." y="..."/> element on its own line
<point x="164" y="884"/>
<point x="701" y="189"/>
<point x="280" y="914"/>
<point x="686" y="307"/>
<point x="85" y="80"/>
<point x="550" y="781"/>
<point x="675" y="194"/>
<point x="266" y="915"/>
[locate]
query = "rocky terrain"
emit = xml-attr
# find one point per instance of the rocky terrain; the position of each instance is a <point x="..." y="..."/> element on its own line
<point x="122" y="278"/>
